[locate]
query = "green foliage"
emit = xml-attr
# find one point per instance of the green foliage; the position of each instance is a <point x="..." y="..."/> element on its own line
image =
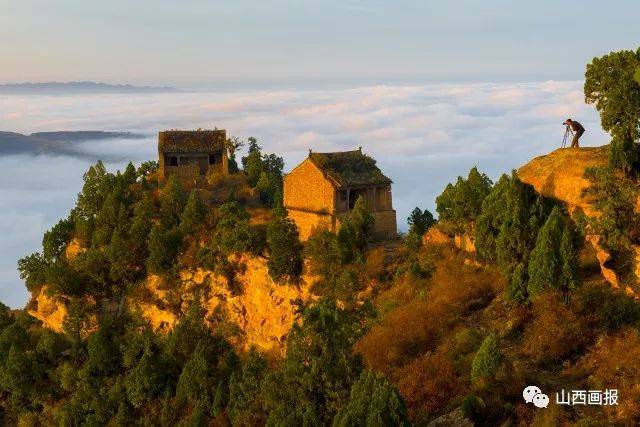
<point x="614" y="197"/>
<point x="147" y="168"/>
<point x="145" y="381"/>
<point x="55" y="240"/>
<point x="545" y="266"/>
<point x="264" y="172"/>
<point x="245" y="400"/>
<point x="355" y="233"/>
<point x="233" y="145"/>
<point x="419" y="221"/>
<point x="372" y="402"/>
<point x="164" y="246"/>
<point x="319" y="367"/>
<point x="612" y="84"/>
<point x="507" y="228"/>
<point x="194" y="214"/>
<point x="32" y="270"/>
<point x="194" y="383"/>
<point x="461" y="204"/>
<point x="172" y="202"/>
<point x="487" y="360"/>
<point x="285" y="249"/>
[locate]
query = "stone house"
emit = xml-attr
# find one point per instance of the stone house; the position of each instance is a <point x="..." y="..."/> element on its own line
<point x="325" y="186"/>
<point x="191" y="155"/>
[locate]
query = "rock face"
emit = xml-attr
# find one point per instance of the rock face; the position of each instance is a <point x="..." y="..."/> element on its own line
<point x="560" y="175"/>
<point x="259" y="311"/>
<point x="50" y="311"/>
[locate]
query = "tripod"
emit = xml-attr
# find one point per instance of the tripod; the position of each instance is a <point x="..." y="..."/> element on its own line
<point x="567" y="131"/>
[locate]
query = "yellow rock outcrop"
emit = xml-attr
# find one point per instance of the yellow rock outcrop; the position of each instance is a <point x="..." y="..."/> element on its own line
<point x="50" y="311"/>
<point x="560" y="175"/>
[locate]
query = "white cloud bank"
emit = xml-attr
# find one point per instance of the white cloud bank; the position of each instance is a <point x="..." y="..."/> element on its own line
<point x="423" y="136"/>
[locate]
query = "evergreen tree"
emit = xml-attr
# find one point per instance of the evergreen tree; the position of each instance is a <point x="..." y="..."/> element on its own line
<point x="372" y="402"/>
<point x="355" y="232"/>
<point x="55" y="240"/>
<point x="164" y="247"/>
<point x="285" y="250"/>
<point x="194" y="215"/>
<point x="144" y="382"/>
<point x="487" y="359"/>
<point x="172" y="202"/>
<point x="460" y="204"/>
<point x="419" y="221"/>
<point x="569" y="261"/>
<point x="545" y="265"/>
<point x="612" y="83"/>
<point x="319" y="366"/>
<point x="194" y="382"/>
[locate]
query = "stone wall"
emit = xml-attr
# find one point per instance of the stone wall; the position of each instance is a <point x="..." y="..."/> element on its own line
<point x="307" y="222"/>
<point x="306" y="188"/>
<point x="385" y="225"/>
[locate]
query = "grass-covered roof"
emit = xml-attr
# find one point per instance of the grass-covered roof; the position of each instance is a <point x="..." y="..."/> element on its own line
<point x="349" y="168"/>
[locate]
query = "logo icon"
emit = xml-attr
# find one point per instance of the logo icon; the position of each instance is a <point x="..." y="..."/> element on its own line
<point x="533" y="394"/>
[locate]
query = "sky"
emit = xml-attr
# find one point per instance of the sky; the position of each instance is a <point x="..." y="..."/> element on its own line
<point x="198" y="43"/>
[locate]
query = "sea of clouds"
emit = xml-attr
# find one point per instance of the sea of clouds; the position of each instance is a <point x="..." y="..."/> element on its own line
<point x="423" y="137"/>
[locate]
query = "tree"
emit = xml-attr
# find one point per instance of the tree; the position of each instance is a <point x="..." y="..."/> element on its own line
<point x="194" y="214"/>
<point x="144" y="382"/>
<point x="252" y="163"/>
<point x="194" y="382"/>
<point x="55" y="240"/>
<point x="355" y="232"/>
<point x="419" y="221"/>
<point x="460" y="204"/>
<point x="612" y="83"/>
<point x="285" y="249"/>
<point x="487" y="359"/>
<point x="164" y="246"/>
<point x="372" y="402"/>
<point x="233" y="145"/>
<point x="172" y="202"/>
<point x="319" y="367"/>
<point x="545" y="264"/>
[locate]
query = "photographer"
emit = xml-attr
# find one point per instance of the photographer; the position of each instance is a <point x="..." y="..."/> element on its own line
<point x="577" y="129"/>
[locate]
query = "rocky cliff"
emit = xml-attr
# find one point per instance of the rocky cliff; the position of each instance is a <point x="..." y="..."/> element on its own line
<point x="560" y="175"/>
<point x="251" y="311"/>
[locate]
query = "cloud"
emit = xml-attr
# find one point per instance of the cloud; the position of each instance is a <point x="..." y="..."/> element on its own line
<point x="423" y="136"/>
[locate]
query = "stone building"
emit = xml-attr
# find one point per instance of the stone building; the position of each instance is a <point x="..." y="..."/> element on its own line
<point x="192" y="154"/>
<point x="325" y="186"/>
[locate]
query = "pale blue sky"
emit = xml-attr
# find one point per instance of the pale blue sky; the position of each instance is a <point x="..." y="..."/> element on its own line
<point x="196" y="42"/>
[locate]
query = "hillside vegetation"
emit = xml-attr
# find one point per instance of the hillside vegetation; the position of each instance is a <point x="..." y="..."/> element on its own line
<point x="159" y="304"/>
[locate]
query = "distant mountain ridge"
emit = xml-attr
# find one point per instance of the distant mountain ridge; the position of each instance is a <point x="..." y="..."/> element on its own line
<point x="55" y="88"/>
<point x="62" y="142"/>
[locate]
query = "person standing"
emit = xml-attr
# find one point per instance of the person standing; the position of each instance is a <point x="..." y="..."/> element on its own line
<point x="577" y="129"/>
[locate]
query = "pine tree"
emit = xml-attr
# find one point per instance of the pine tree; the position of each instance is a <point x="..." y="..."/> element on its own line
<point x="218" y="404"/>
<point x="194" y="382"/>
<point x="172" y="202"/>
<point x="545" y="264"/>
<point x="419" y="221"/>
<point x="285" y="250"/>
<point x="569" y="262"/>
<point x="372" y="402"/>
<point x="194" y="214"/>
<point x="487" y="359"/>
